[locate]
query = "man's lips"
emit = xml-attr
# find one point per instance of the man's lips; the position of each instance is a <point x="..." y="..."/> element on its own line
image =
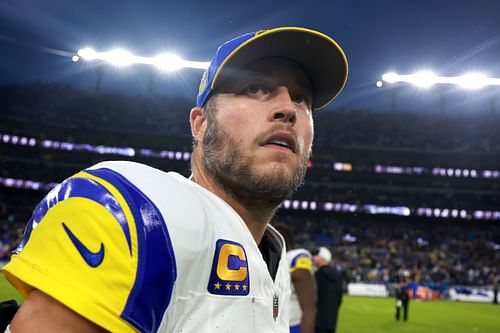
<point x="282" y="139"/>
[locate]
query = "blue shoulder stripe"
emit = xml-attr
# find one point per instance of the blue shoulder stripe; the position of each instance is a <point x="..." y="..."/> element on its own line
<point x="157" y="270"/>
<point x="293" y="263"/>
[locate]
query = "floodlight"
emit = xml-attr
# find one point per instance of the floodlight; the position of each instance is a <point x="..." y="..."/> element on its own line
<point x="196" y="64"/>
<point x="168" y="62"/>
<point x="121" y="58"/>
<point x="424" y="79"/>
<point x="472" y="81"/>
<point x="390" y="77"/>
<point x="118" y="57"/>
<point x="87" y="54"/>
<point x="379" y="84"/>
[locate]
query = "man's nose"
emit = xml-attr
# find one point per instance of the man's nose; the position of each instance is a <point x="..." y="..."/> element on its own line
<point x="286" y="110"/>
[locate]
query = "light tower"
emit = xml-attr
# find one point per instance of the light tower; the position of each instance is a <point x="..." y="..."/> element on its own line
<point x="164" y="62"/>
<point x="427" y="80"/>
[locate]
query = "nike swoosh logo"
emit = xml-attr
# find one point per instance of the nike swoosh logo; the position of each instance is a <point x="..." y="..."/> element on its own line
<point x="93" y="259"/>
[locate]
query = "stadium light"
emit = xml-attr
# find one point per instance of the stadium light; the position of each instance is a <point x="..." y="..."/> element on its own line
<point x="390" y="77"/>
<point x="122" y="58"/>
<point x="472" y="81"/>
<point x="168" y="62"/>
<point x="426" y="79"/>
<point x="87" y="54"/>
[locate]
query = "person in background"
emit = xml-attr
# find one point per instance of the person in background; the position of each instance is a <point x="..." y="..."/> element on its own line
<point x="330" y="291"/>
<point x="495" y="289"/>
<point x="304" y="294"/>
<point x="402" y="299"/>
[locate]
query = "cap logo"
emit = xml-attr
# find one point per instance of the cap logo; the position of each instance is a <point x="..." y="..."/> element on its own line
<point x="203" y="83"/>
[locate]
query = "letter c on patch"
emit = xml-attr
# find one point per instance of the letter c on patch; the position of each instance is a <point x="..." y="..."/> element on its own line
<point x="232" y="264"/>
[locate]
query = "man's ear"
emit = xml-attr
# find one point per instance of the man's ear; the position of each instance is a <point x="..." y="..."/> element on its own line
<point x="197" y="120"/>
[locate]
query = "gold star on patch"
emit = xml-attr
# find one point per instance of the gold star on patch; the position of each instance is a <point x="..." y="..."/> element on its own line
<point x="245" y="287"/>
<point x="237" y="287"/>
<point x="217" y="285"/>
<point x="228" y="286"/>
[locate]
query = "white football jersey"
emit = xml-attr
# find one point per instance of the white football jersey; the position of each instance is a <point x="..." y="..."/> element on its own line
<point x="133" y="248"/>
<point x="297" y="259"/>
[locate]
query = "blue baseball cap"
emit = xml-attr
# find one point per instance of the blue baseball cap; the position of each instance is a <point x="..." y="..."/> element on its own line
<point x="321" y="58"/>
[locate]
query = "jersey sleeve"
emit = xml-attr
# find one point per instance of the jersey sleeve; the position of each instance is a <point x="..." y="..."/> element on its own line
<point x="301" y="261"/>
<point x="99" y="245"/>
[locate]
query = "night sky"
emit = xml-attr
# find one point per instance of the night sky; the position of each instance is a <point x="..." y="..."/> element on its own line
<point x="38" y="38"/>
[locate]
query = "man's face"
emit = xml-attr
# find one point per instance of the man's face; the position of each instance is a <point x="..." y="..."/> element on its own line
<point x="259" y="132"/>
<point x="319" y="261"/>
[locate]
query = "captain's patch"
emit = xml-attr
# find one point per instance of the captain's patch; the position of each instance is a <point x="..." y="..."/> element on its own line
<point x="229" y="275"/>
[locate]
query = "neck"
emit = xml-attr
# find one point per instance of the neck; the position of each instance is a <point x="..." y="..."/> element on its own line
<point x="255" y="218"/>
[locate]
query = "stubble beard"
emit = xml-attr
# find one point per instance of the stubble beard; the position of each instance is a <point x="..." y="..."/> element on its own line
<point x="231" y="170"/>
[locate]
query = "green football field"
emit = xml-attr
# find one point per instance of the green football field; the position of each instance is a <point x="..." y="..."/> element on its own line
<point x="7" y="291"/>
<point x="373" y="315"/>
<point x="376" y="315"/>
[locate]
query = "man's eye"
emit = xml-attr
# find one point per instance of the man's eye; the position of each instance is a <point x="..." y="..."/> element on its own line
<point x="301" y="99"/>
<point x="255" y="89"/>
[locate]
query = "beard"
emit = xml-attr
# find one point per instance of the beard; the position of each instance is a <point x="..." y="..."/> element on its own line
<point x="231" y="170"/>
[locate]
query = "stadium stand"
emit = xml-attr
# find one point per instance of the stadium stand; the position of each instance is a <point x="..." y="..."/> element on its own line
<point x="414" y="191"/>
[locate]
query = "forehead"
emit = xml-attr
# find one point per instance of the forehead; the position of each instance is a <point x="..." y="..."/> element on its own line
<point x="275" y="70"/>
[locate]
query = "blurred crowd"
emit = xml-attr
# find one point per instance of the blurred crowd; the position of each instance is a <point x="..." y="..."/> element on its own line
<point x="433" y="254"/>
<point x="431" y="131"/>
<point x="369" y="248"/>
<point x="63" y="106"/>
<point x="15" y="210"/>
